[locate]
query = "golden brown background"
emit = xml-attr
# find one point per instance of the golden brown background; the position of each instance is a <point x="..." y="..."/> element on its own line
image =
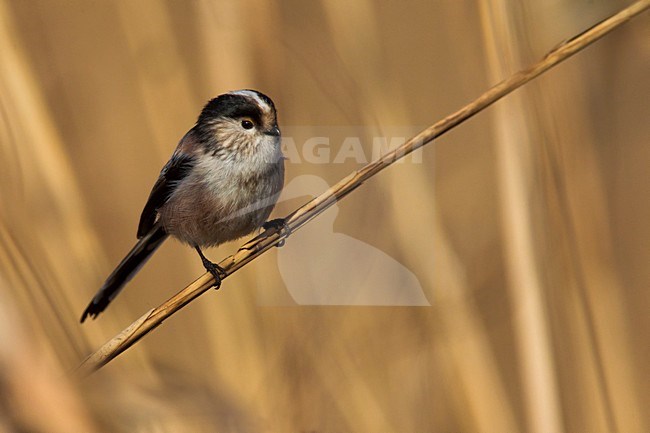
<point x="527" y="227"/>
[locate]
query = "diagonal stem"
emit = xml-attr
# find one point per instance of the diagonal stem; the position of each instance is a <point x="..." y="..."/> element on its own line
<point x="301" y="216"/>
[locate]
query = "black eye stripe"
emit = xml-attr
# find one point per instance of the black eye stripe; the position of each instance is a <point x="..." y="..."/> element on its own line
<point x="232" y="106"/>
<point x="245" y="110"/>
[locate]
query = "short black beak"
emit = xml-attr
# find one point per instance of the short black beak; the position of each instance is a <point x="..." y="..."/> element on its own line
<point x="274" y="131"/>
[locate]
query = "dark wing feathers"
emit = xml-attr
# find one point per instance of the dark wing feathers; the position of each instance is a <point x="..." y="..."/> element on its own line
<point x="172" y="173"/>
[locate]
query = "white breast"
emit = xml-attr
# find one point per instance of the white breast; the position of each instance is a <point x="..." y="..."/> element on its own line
<point x="223" y="175"/>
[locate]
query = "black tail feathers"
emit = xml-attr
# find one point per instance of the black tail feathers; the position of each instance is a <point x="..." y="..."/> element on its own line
<point x="127" y="268"/>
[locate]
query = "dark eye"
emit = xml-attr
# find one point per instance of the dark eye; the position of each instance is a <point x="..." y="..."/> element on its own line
<point x="247" y="124"/>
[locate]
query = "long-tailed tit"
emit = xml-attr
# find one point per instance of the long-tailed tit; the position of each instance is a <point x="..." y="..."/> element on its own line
<point x="220" y="184"/>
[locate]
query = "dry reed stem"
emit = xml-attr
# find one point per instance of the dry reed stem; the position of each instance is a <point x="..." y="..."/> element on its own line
<point x="310" y="210"/>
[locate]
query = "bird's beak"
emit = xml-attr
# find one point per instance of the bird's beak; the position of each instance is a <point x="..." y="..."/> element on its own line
<point x="274" y="131"/>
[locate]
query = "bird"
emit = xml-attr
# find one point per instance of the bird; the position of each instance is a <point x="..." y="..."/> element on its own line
<point x="220" y="184"/>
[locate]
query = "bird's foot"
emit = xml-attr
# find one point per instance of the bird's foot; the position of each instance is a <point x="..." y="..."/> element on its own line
<point x="217" y="271"/>
<point x="280" y="226"/>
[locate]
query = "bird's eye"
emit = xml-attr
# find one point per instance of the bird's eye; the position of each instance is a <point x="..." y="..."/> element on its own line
<point x="247" y="124"/>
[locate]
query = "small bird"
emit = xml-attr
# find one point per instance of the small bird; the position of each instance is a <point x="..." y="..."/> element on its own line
<point x="220" y="184"/>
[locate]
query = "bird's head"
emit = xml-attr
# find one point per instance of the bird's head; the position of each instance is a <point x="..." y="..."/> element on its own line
<point x="238" y="124"/>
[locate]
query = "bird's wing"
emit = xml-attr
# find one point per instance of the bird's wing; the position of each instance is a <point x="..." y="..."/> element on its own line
<point x="178" y="167"/>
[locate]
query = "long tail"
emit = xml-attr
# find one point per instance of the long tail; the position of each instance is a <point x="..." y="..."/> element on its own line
<point x="127" y="268"/>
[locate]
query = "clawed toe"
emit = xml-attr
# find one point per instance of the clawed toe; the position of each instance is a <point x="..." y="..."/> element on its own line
<point x="280" y="226"/>
<point x="217" y="271"/>
<point x="276" y="224"/>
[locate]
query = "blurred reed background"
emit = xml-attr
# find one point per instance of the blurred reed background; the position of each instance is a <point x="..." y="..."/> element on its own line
<point x="527" y="227"/>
